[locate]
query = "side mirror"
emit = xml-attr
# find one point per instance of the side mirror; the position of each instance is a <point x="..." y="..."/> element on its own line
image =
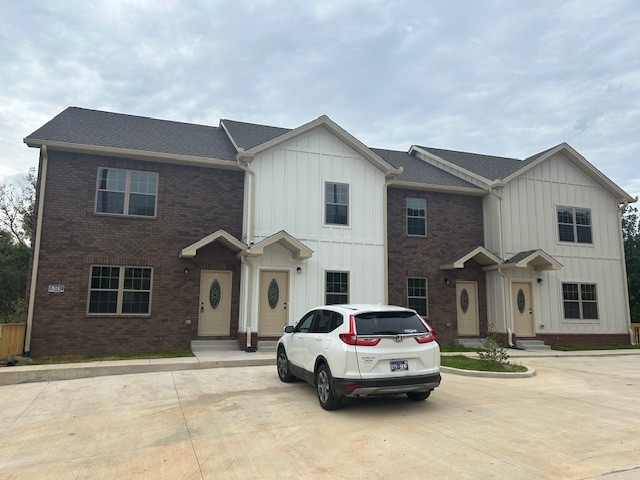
<point x="288" y="329"/>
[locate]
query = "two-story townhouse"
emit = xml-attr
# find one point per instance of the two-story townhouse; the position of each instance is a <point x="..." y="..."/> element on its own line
<point x="152" y="234"/>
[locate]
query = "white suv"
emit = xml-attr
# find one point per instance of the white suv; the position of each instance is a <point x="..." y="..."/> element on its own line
<point x="358" y="350"/>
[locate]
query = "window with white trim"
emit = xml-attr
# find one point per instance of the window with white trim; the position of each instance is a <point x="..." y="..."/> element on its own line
<point x="574" y="224"/>
<point x="126" y="192"/>
<point x="120" y="290"/>
<point x="417" y="295"/>
<point x="337" y="288"/>
<point x="336" y="198"/>
<point x="580" y="301"/>
<point x="416" y="216"/>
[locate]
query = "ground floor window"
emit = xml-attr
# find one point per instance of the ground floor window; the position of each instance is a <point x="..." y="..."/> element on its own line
<point x="417" y="295"/>
<point x="120" y="290"/>
<point x="337" y="288"/>
<point x="580" y="301"/>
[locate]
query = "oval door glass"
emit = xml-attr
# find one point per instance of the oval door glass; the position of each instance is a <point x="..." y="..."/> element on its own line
<point x="273" y="294"/>
<point x="215" y="294"/>
<point x="521" y="301"/>
<point x="464" y="300"/>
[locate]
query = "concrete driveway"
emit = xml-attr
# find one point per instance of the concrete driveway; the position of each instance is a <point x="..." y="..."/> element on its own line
<point x="578" y="418"/>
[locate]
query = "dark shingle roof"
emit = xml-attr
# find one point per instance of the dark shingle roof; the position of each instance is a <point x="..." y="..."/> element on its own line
<point x="419" y="171"/>
<point x="487" y="166"/>
<point x="105" y="129"/>
<point x="249" y="135"/>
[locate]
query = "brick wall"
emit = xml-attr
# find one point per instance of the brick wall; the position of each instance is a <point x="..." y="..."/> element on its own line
<point x="192" y="203"/>
<point x="454" y="223"/>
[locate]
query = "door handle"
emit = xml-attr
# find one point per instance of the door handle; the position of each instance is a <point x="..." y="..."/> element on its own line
<point x="202" y="308"/>
<point x="284" y="305"/>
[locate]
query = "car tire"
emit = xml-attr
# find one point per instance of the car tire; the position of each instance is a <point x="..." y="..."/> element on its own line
<point x="418" y="396"/>
<point x="283" y="366"/>
<point x="326" y="396"/>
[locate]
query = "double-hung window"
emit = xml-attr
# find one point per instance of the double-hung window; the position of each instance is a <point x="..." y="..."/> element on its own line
<point x="120" y="290"/>
<point x="417" y="295"/>
<point x="580" y="301"/>
<point x="416" y="216"/>
<point x="336" y="197"/>
<point x="574" y="225"/>
<point x="337" y="288"/>
<point x="126" y="192"/>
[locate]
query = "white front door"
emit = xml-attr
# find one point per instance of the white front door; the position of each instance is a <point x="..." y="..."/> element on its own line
<point x="215" y="303"/>
<point x="467" y="308"/>
<point x="274" y="296"/>
<point x="522" y="308"/>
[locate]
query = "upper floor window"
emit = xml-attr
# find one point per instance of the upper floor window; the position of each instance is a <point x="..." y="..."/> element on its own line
<point x="337" y="288"/>
<point x="120" y="290"/>
<point x="127" y="192"/>
<point x="336" y="203"/>
<point x="574" y="225"/>
<point x="416" y="216"/>
<point x="417" y="295"/>
<point x="580" y="301"/>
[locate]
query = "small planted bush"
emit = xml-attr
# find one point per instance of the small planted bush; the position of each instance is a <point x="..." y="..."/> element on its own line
<point x="492" y="353"/>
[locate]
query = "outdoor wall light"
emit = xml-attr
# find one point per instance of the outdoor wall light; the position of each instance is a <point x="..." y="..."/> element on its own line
<point x="539" y="280"/>
<point x="299" y="269"/>
<point x="186" y="270"/>
<point x="446" y="280"/>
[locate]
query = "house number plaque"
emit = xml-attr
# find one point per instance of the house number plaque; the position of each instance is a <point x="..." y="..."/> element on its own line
<point x="57" y="288"/>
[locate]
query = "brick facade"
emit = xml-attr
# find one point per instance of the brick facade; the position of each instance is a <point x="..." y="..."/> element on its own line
<point x="454" y="223"/>
<point x="193" y="202"/>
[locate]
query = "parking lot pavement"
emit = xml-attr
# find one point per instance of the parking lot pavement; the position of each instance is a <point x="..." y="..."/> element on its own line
<point x="578" y="418"/>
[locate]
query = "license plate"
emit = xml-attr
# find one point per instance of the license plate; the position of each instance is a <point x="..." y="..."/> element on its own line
<point x="399" y="365"/>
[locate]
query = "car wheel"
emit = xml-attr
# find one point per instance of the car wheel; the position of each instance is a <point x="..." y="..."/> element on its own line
<point x="418" y="396"/>
<point x="283" y="366"/>
<point x="326" y="396"/>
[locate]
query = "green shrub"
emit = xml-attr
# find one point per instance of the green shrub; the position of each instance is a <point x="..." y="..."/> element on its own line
<point x="492" y="352"/>
<point x="17" y="313"/>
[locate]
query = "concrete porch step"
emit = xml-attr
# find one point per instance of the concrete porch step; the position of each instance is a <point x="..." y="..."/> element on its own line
<point x="469" y="342"/>
<point x="199" y="346"/>
<point x="532" y="345"/>
<point x="267" y="345"/>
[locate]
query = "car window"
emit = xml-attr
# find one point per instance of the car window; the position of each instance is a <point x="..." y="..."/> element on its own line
<point x="389" y="323"/>
<point x="336" y="321"/>
<point x="322" y="322"/>
<point x="304" y="325"/>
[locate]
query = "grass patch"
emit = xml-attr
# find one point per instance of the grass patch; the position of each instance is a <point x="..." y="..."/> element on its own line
<point x="456" y="348"/>
<point x="574" y="348"/>
<point x="114" y="356"/>
<point x="465" y="363"/>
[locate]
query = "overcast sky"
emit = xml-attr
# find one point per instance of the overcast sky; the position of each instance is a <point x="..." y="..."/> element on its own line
<point x="508" y="78"/>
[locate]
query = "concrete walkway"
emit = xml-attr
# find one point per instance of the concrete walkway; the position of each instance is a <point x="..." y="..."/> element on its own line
<point x="218" y="359"/>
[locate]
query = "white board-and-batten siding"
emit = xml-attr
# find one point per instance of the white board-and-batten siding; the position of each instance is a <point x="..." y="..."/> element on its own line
<point x="290" y="195"/>
<point x="530" y="222"/>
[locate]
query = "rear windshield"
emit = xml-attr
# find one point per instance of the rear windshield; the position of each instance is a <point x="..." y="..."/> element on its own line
<point x="389" y="323"/>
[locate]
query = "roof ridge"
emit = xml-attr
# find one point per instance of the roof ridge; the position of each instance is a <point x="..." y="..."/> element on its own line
<point x="141" y="116"/>
<point x="255" y="124"/>
<point x="470" y="153"/>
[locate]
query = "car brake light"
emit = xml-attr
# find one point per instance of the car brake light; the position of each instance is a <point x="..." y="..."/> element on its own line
<point x="430" y="336"/>
<point x="351" y="338"/>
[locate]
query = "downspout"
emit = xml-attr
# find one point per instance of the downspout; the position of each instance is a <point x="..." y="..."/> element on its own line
<point x="508" y="319"/>
<point x="386" y="241"/>
<point x="36" y="250"/>
<point x="250" y="212"/>
<point x="624" y="272"/>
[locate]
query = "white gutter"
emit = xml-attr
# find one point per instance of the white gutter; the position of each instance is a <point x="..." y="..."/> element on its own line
<point x="385" y="240"/>
<point x="36" y="249"/>
<point x="248" y="297"/>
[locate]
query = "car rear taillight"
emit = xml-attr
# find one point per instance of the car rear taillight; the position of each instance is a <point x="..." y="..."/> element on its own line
<point x="351" y="338"/>
<point x="430" y="336"/>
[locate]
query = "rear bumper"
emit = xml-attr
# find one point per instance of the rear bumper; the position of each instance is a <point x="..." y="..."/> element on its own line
<point x="356" y="387"/>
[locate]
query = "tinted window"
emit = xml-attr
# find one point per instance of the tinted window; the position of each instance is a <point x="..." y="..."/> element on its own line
<point x="389" y="323"/>
<point x="322" y="322"/>
<point x="304" y="325"/>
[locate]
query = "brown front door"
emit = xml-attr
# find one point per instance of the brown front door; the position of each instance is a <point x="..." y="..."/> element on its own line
<point x="522" y="308"/>
<point x="274" y="296"/>
<point x="215" y="303"/>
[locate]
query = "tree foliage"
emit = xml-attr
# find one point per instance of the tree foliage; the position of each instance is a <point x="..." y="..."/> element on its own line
<point x="631" y="238"/>
<point x="16" y="215"/>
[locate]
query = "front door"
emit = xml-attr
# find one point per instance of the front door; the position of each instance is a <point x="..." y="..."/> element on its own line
<point x="274" y="296"/>
<point x="215" y="303"/>
<point x="467" y="309"/>
<point x="522" y="308"/>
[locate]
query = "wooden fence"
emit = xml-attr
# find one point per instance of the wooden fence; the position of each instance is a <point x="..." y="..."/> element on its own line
<point x="11" y="339"/>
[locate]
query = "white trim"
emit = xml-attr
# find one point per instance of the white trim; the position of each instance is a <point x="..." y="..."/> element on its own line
<point x="489" y="258"/>
<point x="137" y="154"/>
<point x="529" y="281"/>
<point x="575" y="226"/>
<point x="324" y="203"/>
<point x="325" y="293"/>
<point x="428" y="187"/>
<point x="221" y="236"/>
<point x="480" y="178"/>
<point x="579" y="320"/>
<point x="36" y="248"/>
<point x="127" y="193"/>
<point x="298" y="249"/>
<point x="551" y="263"/>
<point x="426" y="292"/>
